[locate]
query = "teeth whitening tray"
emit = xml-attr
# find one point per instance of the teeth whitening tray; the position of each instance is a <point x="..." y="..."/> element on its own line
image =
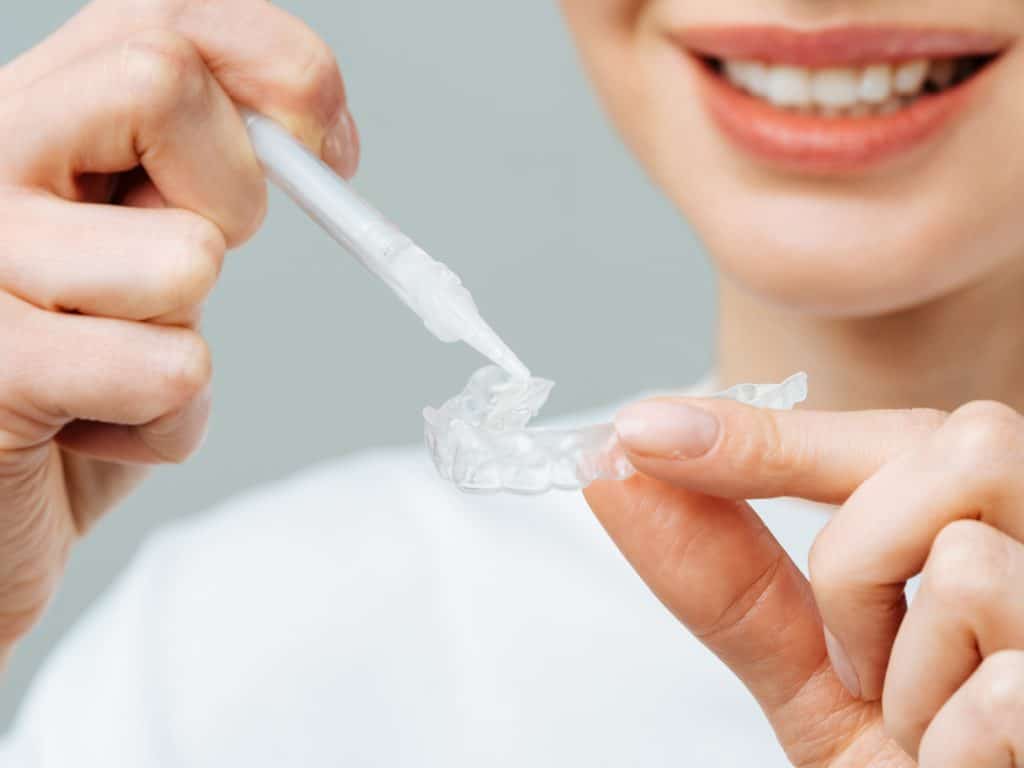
<point x="479" y="439"/>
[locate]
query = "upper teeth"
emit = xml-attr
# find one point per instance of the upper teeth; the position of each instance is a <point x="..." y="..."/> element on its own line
<point x="840" y="88"/>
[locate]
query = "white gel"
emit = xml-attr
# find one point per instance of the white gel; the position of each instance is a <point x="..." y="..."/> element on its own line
<point x="479" y="439"/>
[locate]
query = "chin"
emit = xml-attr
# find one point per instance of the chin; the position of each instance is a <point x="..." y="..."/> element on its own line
<point x="850" y="257"/>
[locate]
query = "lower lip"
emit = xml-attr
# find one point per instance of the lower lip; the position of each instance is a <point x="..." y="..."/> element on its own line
<point x="812" y="144"/>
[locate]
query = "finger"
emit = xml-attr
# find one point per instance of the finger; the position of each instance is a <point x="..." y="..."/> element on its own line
<point x="137" y="190"/>
<point x="969" y="607"/>
<point x="881" y="537"/>
<point x="279" y="66"/>
<point x="731" y="450"/>
<point x="169" y="439"/>
<point x="716" y="566"/>
<point x="982" y="726"/>
<point x="107" y="261"/>
<point x="149" y="102"/>
<point x="62" y="368"/>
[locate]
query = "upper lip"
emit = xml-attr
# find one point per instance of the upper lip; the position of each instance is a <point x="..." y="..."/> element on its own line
<point x="837" y="46"/>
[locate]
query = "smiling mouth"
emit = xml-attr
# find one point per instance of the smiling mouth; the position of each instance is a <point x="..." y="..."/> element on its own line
<point x="881" y="88"/>
<point x="840" y="99"/>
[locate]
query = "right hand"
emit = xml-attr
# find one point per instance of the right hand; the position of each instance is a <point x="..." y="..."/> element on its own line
<point x="125" y="175"/>
<point x="846" y="672"/>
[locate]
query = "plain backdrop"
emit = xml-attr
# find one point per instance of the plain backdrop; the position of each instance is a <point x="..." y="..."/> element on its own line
<point x="482" y="139"/>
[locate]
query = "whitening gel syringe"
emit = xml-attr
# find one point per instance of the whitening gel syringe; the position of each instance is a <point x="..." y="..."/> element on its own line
<point x="428" y="287"/>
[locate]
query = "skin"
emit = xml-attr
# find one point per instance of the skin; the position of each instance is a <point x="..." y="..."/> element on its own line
<point x="898" y="289"/>
<point x="880" y="277"/>
<point x="115" y="224"/>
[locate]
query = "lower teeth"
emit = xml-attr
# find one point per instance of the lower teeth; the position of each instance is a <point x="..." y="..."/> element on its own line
<point x="860" y="109"/>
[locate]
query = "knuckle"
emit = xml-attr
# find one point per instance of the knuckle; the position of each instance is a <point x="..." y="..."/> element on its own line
<point x="317" y="82"/>
<point x="162" y="71"/>
<point x="189" y="368"/>
<point x="196" y="268"/>
<point x="980" y="431"/>
<point x="758" y="448"/>
<point x="785" y="454"/>
<point x="961" y="567"/>
<point x="756" y="445"/>
<point x="999" y="697"/>
<point x="820" y="565"/>
<point x="744" y="602"/>
<point x="829" y="579"/>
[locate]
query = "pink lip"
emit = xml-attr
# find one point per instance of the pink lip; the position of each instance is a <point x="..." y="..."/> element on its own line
<point x="838" y="46"/>
<point x="815" y="144"/>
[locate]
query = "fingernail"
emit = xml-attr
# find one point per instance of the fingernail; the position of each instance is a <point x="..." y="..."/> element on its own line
<point x="341" y="145"/>
<point x="667" y="429"/>
<point x="842" y="665"/>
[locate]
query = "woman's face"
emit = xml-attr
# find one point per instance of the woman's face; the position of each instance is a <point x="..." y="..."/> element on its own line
<point x="848" y="158"/>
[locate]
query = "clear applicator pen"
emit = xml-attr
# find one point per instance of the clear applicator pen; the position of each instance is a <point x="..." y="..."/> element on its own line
<point x="428" y="287"/>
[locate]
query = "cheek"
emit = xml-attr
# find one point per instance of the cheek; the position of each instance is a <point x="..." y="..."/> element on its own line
<point x="939" y="220"/>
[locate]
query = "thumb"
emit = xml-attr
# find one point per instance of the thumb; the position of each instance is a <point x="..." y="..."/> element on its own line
<point x="718" y="568"/>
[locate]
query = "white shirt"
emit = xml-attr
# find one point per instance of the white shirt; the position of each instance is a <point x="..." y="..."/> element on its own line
<point x="365" y="614"/>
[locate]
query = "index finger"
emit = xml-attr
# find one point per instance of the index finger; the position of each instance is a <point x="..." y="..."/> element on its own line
<point x="734" y="451"/>
<point x="264" y="58"/>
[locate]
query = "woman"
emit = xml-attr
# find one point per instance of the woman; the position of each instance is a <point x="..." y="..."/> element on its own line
<point x="859" y="184"/>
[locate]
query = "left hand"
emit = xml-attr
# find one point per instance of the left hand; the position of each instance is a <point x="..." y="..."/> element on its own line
<point x="921" y="492"/>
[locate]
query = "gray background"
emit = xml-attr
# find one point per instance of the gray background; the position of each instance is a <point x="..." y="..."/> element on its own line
<point x="482" y="139"/>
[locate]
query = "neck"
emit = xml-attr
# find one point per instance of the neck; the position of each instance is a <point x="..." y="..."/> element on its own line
<point x="963" y="347"/>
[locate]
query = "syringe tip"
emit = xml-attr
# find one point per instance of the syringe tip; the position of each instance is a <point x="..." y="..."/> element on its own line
<point x="489" y="344"/>
<point x="514" y="366"/>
